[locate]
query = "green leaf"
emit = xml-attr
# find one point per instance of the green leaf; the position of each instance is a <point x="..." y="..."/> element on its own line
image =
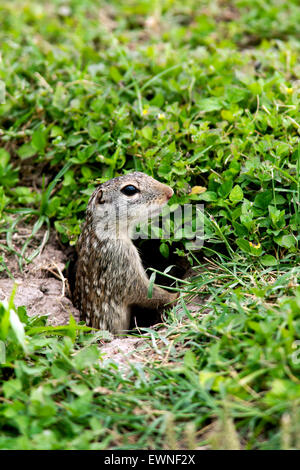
<point x="11" y="387"/>
<point x="208" y="196"/>
<point x="147" y="132"/>
<point x="4" y="157"/>
<point x="88" y="356"/>
<point x="268" y="260"/>
<point x="95" y="131"/>
<point x="236" y="194"/>
<point x="225" y="188"/>
<point x="243" y="245"/>
<point x="236" y="94"/>
<point x="286" y="241"/>
<point x="263" y="199"/>
<point x="26" y="151"/>
<point x="39" y="139"/>
<point x="115" y="74"/>
<point x="249" y="247"/>
<point x="190" y="360"/>
<point x="239" y="229"/>
<point x="277" y="216"/>
<point x="18" y="328"/>
<point x="210" y="104"/>
<point x="164" y="249"/>
<point x="227" y="115"/>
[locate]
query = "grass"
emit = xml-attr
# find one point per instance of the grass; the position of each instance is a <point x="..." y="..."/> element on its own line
<point x="205" y="97"/>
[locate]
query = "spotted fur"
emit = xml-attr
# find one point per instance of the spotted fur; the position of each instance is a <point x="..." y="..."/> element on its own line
<point x="110" y="278"/>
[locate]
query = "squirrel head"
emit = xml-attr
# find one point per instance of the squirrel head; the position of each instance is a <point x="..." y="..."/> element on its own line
<point x="118" y="205"/>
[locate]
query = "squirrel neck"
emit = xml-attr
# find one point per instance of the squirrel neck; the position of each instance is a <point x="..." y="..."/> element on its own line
<point x="111" y="225"/>
<point x="108" y="253"/>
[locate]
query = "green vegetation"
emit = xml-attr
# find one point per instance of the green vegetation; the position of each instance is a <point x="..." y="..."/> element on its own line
<point x="203" y="95"/>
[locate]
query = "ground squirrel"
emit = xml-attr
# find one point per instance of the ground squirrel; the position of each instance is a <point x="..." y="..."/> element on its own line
<point x="110" y="278"/>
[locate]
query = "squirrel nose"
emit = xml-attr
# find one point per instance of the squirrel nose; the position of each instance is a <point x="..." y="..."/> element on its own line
<point x="169" y="192"/>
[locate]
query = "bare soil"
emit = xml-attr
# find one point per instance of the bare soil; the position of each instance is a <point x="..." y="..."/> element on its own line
<point x="42" y="286"/>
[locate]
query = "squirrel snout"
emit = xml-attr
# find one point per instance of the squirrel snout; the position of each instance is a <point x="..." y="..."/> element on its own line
<point x="169" y="192"/>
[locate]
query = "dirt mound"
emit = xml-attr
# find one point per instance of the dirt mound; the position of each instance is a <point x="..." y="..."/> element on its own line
<point x="41" y="297"/>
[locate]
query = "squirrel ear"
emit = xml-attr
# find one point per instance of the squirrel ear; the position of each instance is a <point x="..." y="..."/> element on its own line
<point x="98" y="198"/>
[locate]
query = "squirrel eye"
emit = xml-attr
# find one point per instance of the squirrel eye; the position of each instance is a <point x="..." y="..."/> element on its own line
<point x="129" y="190"/>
